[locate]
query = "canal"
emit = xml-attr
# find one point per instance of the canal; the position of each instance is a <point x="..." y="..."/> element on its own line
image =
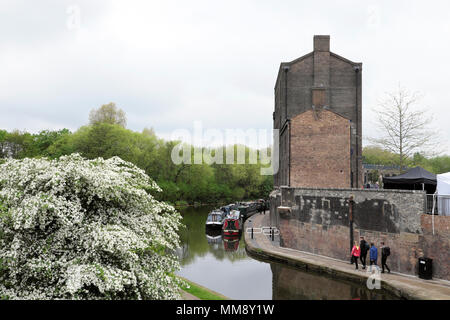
<point x="224" y="266"/>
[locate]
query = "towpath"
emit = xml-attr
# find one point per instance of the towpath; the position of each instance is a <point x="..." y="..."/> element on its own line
<point x="404" y="286"/>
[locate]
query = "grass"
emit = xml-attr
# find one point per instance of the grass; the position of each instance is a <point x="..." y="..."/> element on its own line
<point x="201" y="292"/>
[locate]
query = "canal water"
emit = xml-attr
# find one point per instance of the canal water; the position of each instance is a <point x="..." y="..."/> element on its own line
<point x="224" y="266"/>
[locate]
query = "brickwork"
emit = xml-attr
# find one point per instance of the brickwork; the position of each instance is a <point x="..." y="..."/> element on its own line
<point x="320" y="150"/>
<point x="340" y="81"/>
<point x="437" y="246"/>
<point x="318" y="223"/>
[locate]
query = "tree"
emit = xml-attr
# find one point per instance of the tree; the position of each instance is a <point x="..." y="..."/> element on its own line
<point x="84" y="229"/>
<point x="3" y="135"/>
<point x="19" y="145"/>
<point x="108" y="113"/>
<point x="46" y="138"/>
<point x="405" y="128"/>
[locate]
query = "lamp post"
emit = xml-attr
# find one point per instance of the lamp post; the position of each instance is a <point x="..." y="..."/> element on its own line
<point x="350" y="218"/>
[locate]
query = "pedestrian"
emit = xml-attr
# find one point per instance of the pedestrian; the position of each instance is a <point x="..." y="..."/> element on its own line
<point x="356" y="252"/>
<point x="385" y="253"/>
<point x="373" y="255"/>
<point x="364" y="248"/>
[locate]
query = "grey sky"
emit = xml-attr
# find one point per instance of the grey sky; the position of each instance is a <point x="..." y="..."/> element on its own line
<point x="170" y="63"/>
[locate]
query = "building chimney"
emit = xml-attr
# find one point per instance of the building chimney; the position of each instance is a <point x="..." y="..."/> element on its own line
<point x="322" y="43"/>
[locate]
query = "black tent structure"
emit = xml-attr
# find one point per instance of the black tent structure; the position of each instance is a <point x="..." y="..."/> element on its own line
<point x="414" y="179"/>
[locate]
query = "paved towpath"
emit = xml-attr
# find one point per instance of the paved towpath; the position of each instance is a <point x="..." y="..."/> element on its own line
<point x="405" y="286"/>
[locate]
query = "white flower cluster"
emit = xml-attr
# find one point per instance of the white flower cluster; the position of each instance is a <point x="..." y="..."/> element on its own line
<point x="84" y="229"/>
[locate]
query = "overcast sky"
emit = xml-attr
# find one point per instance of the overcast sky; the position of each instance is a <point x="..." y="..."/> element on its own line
<point x="170" y="63"/>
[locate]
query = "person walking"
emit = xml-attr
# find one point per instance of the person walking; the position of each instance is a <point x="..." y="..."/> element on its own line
<point x="385" y="253"/>
<point x="373" y="255"/>
<point x="356" y="252"/>
<point x="364" y="248"/>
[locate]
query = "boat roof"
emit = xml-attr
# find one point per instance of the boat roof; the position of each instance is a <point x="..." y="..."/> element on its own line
<point x="234" y="214"/>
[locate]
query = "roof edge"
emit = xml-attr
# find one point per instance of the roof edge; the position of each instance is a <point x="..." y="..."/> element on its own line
<point x="282" y="64"/>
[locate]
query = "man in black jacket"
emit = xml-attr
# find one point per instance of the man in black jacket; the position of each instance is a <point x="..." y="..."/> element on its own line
<point x="385" y="252"/>
<point x="364" y="248"/>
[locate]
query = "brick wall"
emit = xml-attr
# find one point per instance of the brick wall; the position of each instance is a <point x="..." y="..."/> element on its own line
<point x="437" y="246"/>
<point x="320" y="150"/>
<point x="342" y="86"/>
<point x="318" y="223"/>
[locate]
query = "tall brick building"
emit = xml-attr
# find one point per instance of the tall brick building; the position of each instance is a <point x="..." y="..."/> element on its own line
<point x="318" y="113"/>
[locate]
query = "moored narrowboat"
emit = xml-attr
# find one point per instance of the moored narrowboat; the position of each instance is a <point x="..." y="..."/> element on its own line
<point x="232" y="224"/>
<point x="215" y="219"/>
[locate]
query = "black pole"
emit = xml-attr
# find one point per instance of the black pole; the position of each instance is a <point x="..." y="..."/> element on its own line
<point x="351" y="157"/>
<point x="357" y="128"/>
<point x="350" y="216"/>
<point x="286" y="69"/>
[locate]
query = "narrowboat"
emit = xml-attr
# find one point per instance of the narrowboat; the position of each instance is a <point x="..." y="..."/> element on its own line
<point x="215" y="219"/>
<point x="227" y="209"/>
<point x="232" y="224"/>
<point x="247" y="209"/>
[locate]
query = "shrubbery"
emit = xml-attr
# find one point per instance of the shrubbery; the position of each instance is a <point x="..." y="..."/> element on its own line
<point x="192" y="183"/>
<point x="84" y="229"/>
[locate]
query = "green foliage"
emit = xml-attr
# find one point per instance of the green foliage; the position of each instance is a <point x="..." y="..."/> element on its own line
<point x="376" y="155"/>
<point x="21" y="145"/>
<point x="190" y="183"/>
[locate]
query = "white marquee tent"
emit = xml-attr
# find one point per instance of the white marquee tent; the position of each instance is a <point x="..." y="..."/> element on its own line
<point x="443" y="193"/>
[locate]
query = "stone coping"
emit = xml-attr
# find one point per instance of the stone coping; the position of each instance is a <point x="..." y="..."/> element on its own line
<point x="354" y="190"/>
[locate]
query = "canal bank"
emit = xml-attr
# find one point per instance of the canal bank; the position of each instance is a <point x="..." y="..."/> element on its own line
<point x="402" y="286"/>
<point x="195" y="291"/>
<point x="224" y="266"/>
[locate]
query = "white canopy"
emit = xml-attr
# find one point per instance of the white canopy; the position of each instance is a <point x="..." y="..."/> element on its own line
<point x="443" y="193"/>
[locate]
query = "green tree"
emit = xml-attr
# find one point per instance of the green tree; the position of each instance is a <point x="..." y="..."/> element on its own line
<point x="108" y="113"/>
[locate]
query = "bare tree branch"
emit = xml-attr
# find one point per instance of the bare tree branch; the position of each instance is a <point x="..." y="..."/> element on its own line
<point x="405" y="129"/>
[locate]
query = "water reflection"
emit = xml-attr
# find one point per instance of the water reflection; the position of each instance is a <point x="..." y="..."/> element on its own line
<point x="222" y="264"/>
<point x="292" y="284"/>
<point x="194" y="234"/>
<point x="231" y="243"/>
<point x="214" y="238"/>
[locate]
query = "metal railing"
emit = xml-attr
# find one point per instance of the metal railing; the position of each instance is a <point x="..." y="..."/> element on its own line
<point x="440" y="204"/>
<point x="431" y="201"/>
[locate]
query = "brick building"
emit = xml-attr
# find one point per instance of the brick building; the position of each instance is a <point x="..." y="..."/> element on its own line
<point x="318" y="114"/>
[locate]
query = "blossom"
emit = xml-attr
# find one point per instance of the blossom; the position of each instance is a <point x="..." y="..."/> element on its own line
<point x="85" y="229"/>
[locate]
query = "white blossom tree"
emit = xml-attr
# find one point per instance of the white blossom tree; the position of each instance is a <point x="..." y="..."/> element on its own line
<point x="84" y="229"/>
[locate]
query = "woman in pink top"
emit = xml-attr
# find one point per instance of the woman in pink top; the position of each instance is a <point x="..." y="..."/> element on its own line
<point x="356" y="252"/>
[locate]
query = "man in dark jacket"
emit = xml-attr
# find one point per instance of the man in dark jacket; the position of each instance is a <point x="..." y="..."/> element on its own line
<point x="364" y="248"/>
<point x="385" y="252"/>
<point x="373" y="255"/>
